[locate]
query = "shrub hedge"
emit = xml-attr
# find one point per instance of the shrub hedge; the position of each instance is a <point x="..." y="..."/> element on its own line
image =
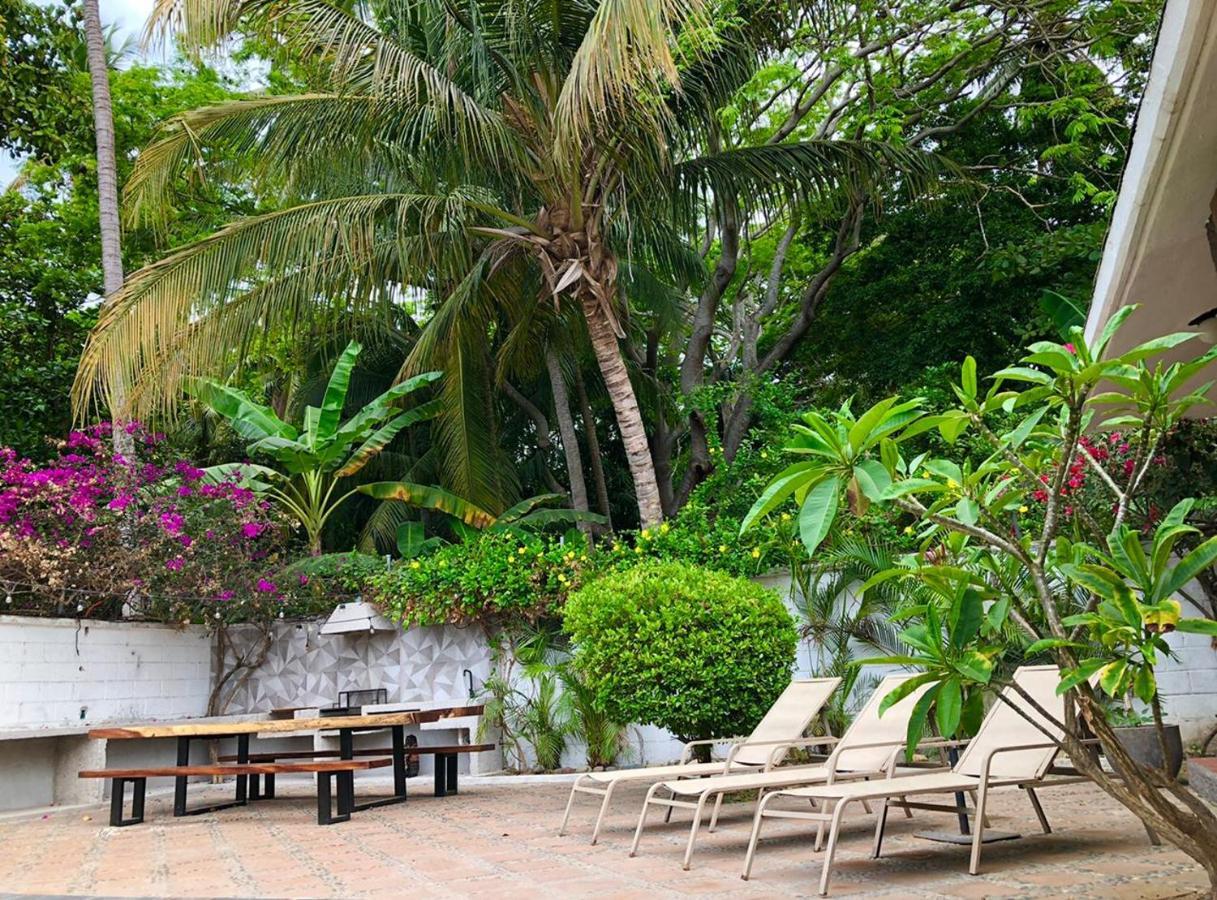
<point x="700" y="653"/>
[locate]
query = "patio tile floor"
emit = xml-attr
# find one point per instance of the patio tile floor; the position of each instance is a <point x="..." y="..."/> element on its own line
<point x="498" y="839"/>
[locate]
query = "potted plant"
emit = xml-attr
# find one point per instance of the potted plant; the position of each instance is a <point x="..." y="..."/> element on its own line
<point x="1138" y="735"/>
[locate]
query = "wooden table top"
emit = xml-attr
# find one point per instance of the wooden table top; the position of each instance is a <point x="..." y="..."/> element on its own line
<point x="276" y="726"/>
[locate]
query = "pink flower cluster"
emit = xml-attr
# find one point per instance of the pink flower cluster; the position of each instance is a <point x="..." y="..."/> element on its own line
<point x="152" y="524"/>
<point x="1112" y="451"/>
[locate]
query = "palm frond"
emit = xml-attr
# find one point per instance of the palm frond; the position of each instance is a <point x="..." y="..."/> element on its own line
<point x="768" y="178"/>
<point x="276" y="263"/>
<point x="623" y="67"/>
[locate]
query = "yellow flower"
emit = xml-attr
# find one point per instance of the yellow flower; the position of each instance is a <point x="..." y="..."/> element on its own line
<point x="756" y="553"/>
<point x="764" y="455"/>
<point x="722" y="548"/>
<point x="908" y="529"/>
<point x="415" y="565"/>
<point x="562" y="578"/>
<point x="522" y="551"/>
<point x="646" y="533"/>
<point x="1022" y="509"/>
<point x="952" y="483"/>
<point x="664" y="529"/>
<point x="637" y="549"/>
<point x="785" y="517"/>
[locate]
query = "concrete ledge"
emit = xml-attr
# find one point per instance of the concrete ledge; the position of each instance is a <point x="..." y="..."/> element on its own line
<point x="1202" y="777"/>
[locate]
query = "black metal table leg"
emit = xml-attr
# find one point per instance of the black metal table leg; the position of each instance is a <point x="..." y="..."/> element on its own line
<point x="399" y="761"/>
<point x="179" y="783"/>
<point x="453" y="761"/>
<point x="269" y="792"/>
<point x="346" y="780"/>
<point x="242" y="759"/>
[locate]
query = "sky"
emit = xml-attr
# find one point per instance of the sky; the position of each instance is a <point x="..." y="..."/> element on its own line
<point x="129" y="16"/>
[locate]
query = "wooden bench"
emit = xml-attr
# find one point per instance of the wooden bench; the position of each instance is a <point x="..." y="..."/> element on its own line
<point x="325" y="769"/>
<point x="445" y="762"/>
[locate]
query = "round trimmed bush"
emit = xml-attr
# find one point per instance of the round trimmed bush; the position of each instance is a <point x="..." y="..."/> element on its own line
<point x="700" y="653"/>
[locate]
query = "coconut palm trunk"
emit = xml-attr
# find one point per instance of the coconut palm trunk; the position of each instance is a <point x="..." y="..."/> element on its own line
<point x="625" y="404"/>
<point x="570" y="441"/>
<point x="107" y="196"/>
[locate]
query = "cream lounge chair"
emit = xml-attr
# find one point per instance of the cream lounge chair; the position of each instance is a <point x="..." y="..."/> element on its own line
<point x="785" y="722"/>
<point x="1015" y="747"/>
<point x="868" y="749"/>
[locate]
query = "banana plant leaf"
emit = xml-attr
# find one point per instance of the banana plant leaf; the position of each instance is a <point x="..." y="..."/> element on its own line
<point x="429" y="497"/>
<point x="249" y="419"/>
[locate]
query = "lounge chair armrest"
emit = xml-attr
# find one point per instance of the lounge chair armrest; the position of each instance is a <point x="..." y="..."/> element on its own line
<point x="710" y="742"/>
<point x="987" y="760"/>
<point x="780" y="747"/>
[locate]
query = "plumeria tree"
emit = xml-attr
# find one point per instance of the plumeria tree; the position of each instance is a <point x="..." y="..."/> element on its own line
<point x="1034" y="541"/>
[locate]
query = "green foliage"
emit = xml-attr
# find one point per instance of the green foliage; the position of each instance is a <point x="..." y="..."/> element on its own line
<point x="1071" y="578"/>
<point x="326" y="449"/>
<point x="840" y="467"/>
<point x="49" y="244"/>
<point x="499" y="580"/>
<point x="700" y="653"/>
<point x="336" y="574"/>
<point x="1136" y="609"/>
<point x="40" y="113"/>
<point x="602" y="736"/>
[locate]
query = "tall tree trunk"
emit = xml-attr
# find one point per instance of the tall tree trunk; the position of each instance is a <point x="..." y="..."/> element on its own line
<point x="593" y="450"/>
<point x="625" y="405"/>
<point x="570" y="440"/>
<point x="107" y="200"/>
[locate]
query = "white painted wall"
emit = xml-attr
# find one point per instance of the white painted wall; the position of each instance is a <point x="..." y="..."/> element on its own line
<point x="1188" y="684"/>
<point x="58" y="672"/>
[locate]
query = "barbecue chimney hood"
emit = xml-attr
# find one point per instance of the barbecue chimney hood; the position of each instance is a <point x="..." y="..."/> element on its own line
<point x="356" y="616"/>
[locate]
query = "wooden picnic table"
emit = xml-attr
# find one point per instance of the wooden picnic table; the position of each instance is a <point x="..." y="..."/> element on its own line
<point x="346" y="726"/>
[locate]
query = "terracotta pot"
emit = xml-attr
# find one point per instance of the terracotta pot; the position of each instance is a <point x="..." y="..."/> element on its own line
<point x="1141" y="742"/>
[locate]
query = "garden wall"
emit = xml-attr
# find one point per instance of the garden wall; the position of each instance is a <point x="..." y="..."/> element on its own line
<point x="58" y="677"/>
<point x="59" y="672"/>
<point x="306" y="668"/>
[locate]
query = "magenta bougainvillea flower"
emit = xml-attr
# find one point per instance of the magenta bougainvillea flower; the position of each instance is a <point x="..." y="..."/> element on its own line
<point x="91" y="520"/>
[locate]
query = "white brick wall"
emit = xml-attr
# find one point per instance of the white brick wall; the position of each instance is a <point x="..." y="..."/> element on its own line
<point x="1189" y="683"/>
<point x="52" y="669"/>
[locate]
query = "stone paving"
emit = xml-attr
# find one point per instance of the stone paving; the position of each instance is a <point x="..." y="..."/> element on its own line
<point x="498" y="838"/>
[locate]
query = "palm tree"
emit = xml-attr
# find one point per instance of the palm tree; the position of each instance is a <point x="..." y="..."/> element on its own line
<point x="107" y="193"/>
<point x="465" y="149"/>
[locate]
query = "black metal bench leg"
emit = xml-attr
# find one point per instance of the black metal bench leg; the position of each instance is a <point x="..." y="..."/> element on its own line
<point x="269" y="792"/>
<point x="117" y="796"/>
<point x="255" y="787"/>
<point x="445" y="774"/>
<point x="325" y="800"/>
